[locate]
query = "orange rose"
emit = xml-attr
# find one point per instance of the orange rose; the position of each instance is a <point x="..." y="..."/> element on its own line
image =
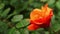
<point x="40" y="18"/>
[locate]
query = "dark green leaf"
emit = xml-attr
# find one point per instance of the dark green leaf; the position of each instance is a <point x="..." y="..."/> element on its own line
<point x="40" y="30"/>
<point x="4" y="14"/>
<point x="14" y="2"/>
<point x="36" y="5"/>
<point x="3" y="26"/>
<point x="6" y="1"/>
<point x="55" y="24"/>
<point x="24" y="31"/>
<point x="14" y="13"/>
<point x="13" y="31"/>
<point x="56" y="27"/>
<point x="10" y="16"/>
<point x="35" y="32"/>
<point x="0" y="11"/>
<point x="53" y="19"/>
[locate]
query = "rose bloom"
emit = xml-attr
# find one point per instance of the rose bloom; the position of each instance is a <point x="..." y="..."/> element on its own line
<point x="40" y="18"/>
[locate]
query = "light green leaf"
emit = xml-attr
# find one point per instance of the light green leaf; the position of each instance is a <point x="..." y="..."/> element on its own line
<point x="58" y="4"/>
<point x="51" y="2"/>
<point x="31" y="1"/>
<point x="17" y="32"/>
<point x="46" y="32"/>
<point x="22" y="23"/>
<point x="43" y="0"/>
<point x="2" y="5"/>
<point x="17" y="18"/>
<point x="4" y="14"/>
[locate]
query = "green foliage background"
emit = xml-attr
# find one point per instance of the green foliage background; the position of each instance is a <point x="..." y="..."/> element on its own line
<point x="14" y="16"/>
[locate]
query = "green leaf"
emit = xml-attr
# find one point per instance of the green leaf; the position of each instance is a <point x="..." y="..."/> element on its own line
<point x="17" y="18"/>
<point x="46" y="32"/>
<point x="24" y="31"/>
<point x="22" y="23"/>
<point x="36" y="5"/>
<point x="3" y="26"/>
<point x="55" y="24"/>
<point x="43" y="0"/>
<point x="56" y="27"/>
<point x="41" y="30"/>
<point x="0" y="11"/>
<point x="14" y="13"/>
<point x="2" y="5"/>
<point x="13" y="31"/>
<point x="6" y="1"/>
<point x="9" y="16"/>
<point x="13" y="2"/>
<point x="58" y="4"/>
<point x="17" y="32"/>
<point x="53" y="20"/>
<point x="0" y="1"/>
<point x="4" y="14"/>
<point x="31" y="1"/>
<point x="25" y="6"/>
<point x="19" y="5"/>
<point x="35" y="32"/>
<point x="59" y="13"/>
<point x="51" y="2"/>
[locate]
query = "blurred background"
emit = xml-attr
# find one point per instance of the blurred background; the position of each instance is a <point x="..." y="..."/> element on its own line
<point x="14" y="16"/>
